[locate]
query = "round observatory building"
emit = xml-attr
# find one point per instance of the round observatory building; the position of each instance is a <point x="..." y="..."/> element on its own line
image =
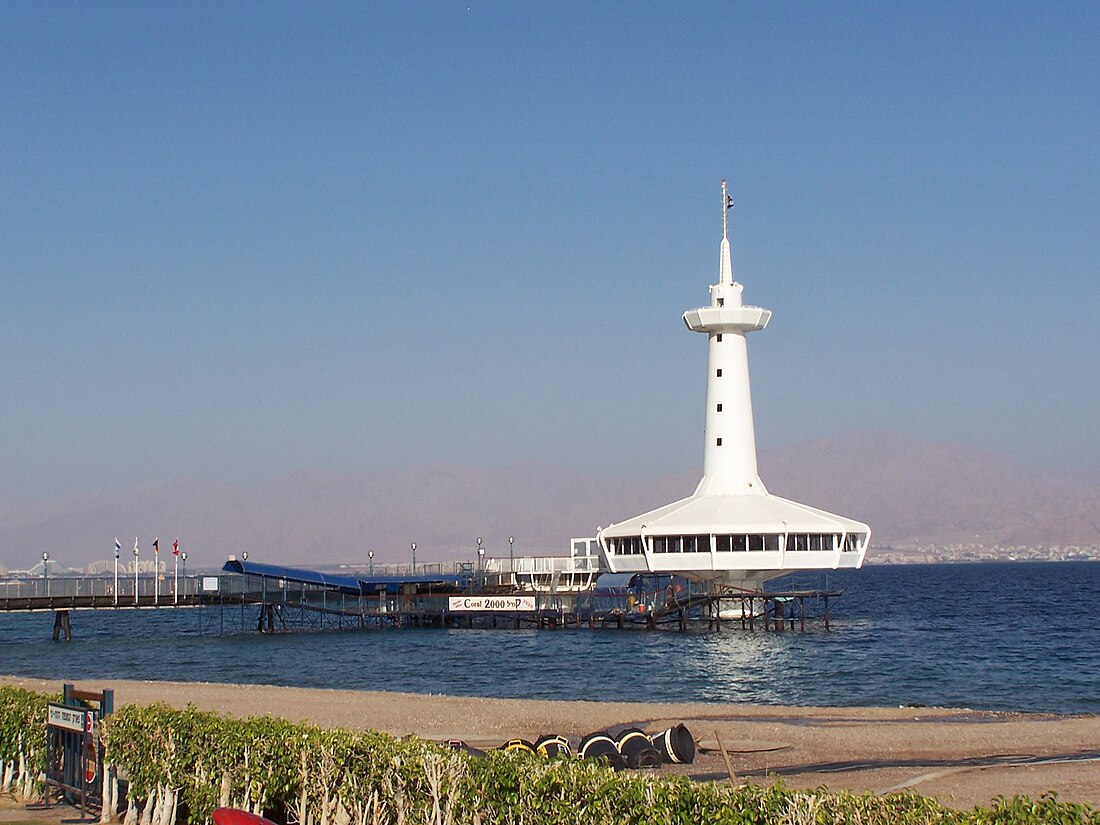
<point x="731" y="530"/>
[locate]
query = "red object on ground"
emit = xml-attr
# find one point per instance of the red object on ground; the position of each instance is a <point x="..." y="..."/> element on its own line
<point x="233" y="816"/>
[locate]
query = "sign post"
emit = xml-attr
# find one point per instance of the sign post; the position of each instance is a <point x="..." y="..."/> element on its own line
<point x="74" y="753"/>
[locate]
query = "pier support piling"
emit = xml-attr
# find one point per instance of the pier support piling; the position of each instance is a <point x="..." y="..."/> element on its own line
<point x="62" y="626"/>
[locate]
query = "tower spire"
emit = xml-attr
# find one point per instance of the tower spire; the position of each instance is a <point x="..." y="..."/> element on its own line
<point x="727" y="205"/>
<point x="725" y="273"/>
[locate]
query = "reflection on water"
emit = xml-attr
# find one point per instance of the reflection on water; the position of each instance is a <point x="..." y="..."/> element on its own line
<point x="1002" y="636"/>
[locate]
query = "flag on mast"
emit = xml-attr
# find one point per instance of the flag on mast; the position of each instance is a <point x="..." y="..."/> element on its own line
<point x="156" y="545"/>
<point x="118" y="547"/>
<point x="176" y="547"/>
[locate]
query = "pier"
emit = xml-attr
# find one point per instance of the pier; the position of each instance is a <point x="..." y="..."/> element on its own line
<point x="251" y="597"/>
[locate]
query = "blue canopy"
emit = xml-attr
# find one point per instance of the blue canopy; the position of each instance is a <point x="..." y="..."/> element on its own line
<point x="344" y="584"/>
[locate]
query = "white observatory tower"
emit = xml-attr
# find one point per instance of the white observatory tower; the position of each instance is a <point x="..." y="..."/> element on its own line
<point x="729" y="454"/>
<point x="731" y="530"/>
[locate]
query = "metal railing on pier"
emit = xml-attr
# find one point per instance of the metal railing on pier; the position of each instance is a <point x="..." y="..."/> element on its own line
<point x="79" y="592"/>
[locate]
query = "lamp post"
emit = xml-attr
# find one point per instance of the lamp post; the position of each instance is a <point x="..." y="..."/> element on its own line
<point x="118" y="549"/>
<point x="137" y="553"/>
<point x="370" y="558"/>
<point x="413" y="545"/>
<point x="46" y="571"/>
<point x="480" y="556"/>
<point x="512" y="555"/>
<point x="183" y="558"/>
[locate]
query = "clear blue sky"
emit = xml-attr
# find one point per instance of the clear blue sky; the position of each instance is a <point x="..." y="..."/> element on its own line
<point x="239" y="239"/>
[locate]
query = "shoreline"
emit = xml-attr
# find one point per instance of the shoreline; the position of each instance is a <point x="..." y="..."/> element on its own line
<point x="963" y="757"/>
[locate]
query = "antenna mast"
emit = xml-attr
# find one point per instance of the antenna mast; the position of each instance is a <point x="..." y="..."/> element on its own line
<point x="725" y="208"/>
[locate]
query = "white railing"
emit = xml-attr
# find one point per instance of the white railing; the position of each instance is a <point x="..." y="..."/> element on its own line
<point x="526" y="565"/>
<point x="99" y="587"/>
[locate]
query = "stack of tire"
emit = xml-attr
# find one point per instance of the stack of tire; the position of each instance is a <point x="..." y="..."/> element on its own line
<point x="629" y="748"/>
<point x="633" y="748"/>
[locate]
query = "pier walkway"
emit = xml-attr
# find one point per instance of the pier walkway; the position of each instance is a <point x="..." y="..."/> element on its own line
<point x="254" y="597"/>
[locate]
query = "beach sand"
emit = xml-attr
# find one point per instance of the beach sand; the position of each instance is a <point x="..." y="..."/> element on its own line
<point x="961" y="757"/>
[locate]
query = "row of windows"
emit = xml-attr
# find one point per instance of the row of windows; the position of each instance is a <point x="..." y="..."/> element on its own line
<point x="752" y="543"/>
<point x="811" y="541"/>
<point x="681" y="544"/>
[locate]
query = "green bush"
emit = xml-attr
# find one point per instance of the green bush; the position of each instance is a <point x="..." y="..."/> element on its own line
<point x="22" y="742"/>
<point x="181" y="764"/>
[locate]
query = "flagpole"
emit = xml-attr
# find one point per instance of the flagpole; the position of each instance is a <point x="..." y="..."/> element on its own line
<point x="136" y="554"/>
<point x="176" y="572"/>
<point x="156" y="570"/>
<point x="117" y="548"/>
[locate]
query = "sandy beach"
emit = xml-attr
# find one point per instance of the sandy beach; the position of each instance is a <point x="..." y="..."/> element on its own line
<point x="961" y="757"/>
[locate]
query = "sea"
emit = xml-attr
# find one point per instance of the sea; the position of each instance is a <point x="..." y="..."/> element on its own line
<point x="1012" y="636"/>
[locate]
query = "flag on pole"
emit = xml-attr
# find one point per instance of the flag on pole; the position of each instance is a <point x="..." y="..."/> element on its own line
<point x="135" y="545"/>
<point x="176" y="547"/>
<point x="118" y="547"/>
<point x="156" y="545"/>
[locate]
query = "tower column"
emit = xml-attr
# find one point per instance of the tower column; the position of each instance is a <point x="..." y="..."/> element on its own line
<point x="729" y="452"/>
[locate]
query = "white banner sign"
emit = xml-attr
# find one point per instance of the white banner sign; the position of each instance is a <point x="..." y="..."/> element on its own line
<point x="506" y="603"/>
<point x="59" y="716"/>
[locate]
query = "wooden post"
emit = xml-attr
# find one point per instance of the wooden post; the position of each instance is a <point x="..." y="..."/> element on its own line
<point x="801" y="615"/>
<point x="725" y="758"/>
<point x="62" y="626"/>
<point x="826" y="611"/>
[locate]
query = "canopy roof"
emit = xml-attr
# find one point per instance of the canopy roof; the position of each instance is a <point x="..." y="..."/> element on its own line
<point x="734" y="515"/>
<point x="345" y="584"/>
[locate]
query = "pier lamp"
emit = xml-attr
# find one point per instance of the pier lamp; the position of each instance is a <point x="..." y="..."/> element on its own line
<point x="244" y="556"/>
<point x="45" y="558"/>
<point x="413" y="545"/>
<point x="511" y="554"/>
<point x="183" y="558"/>
<point x="480" y="555"/>
<point x="370" y="558"/>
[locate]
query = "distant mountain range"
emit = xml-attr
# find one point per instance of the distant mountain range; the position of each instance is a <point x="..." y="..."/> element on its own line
<point x="915" y="492"/>
<point x="911" y="492"/>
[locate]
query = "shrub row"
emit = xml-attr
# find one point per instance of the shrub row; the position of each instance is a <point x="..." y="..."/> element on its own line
<point x="181" y="764"/>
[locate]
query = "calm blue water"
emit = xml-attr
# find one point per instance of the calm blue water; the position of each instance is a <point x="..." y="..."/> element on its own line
<point x="1012" y="636"/>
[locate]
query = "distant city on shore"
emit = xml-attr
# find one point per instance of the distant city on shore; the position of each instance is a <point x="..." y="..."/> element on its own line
<point x="939" y="554"/>
<point x="901" y="554"/>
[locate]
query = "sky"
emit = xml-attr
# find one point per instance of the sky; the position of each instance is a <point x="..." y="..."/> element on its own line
<point x="243" y="240"/>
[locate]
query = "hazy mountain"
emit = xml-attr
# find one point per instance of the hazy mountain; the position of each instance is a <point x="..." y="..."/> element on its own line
<point x="908" y="490"/>
<point x="912" y="492"/>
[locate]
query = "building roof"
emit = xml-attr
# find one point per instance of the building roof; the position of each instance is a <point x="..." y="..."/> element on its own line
<point x="736" y="515"/>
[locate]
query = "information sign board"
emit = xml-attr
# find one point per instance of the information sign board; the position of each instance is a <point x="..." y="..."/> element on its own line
<point x="68" y="718"/>
<point x="509" y="604"/>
